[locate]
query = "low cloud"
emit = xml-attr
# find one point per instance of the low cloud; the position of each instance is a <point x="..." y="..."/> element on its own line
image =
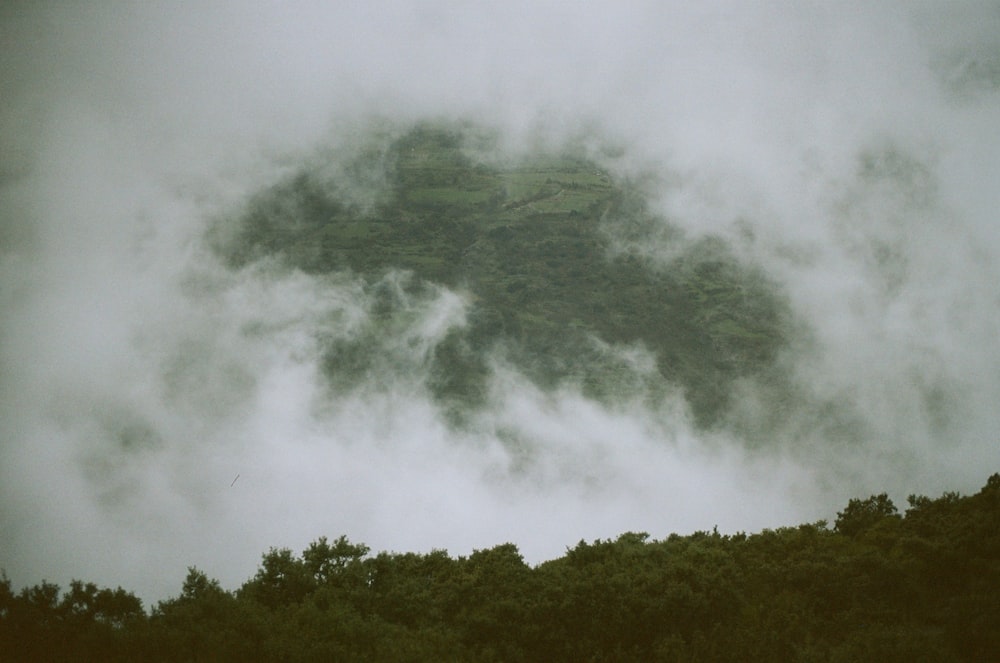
<point x="848" y="154"/>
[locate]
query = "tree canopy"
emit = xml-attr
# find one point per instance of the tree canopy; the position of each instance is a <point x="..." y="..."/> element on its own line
<point x="878" y="586"/>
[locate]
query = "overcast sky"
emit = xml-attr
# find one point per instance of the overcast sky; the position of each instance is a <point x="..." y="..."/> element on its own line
<point x="850" y="149"/>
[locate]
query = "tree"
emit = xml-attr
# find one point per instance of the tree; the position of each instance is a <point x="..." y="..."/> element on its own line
<point x="198" y="586"/>
<point x="324" y="561"/>
<point x="282" y="579"/>
<point x="6" y="594"/>
<point x="861" y="515"/>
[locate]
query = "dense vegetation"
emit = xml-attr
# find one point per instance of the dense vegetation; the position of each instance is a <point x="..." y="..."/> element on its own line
<point x="546" y="249"/>
<point x="877" y="586"/>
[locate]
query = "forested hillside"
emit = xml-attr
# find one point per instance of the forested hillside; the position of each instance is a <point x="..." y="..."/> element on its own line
<point x="554" y="258"/>
<point x="876" y="586"/>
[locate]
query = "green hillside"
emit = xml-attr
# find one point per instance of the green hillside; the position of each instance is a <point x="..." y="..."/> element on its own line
<point x="532" y="245"/>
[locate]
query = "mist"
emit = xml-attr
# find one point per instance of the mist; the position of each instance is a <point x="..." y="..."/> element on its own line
<point x="161" y="408"/>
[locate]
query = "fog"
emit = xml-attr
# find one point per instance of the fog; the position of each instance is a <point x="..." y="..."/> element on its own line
<point x="160" y="409"/>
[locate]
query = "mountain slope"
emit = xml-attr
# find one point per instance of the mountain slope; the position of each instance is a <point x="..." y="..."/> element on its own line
<point x="534" y="247"/>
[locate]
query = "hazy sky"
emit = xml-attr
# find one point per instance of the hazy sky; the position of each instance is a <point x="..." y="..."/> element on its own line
<point x="850" y="149"/>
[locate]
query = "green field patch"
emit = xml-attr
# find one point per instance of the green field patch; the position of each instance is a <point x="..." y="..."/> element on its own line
<point x="449" y="196"/>
<point x="730" y="327"/>
<point x="566" y="201"/>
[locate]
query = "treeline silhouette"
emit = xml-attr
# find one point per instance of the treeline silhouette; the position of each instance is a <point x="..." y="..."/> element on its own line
<point x="877" y="586"/>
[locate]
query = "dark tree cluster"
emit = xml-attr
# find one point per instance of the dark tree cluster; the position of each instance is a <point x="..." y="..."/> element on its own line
<point x="877" y="586"/>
